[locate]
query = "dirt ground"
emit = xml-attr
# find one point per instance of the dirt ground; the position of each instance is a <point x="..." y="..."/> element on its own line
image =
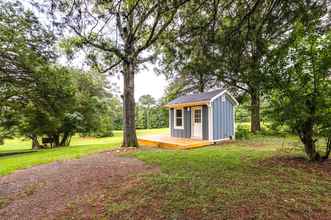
<point x="321" y="168"/>
<point x="46" y="191"/>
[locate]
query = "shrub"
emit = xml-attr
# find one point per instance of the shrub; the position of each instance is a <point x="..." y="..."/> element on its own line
<point x="242" y="132"/>
<point x="101" y="134"/>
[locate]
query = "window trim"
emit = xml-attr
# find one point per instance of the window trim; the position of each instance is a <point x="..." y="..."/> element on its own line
<point x="175" y="117"/>
<point x="200" y="115"/>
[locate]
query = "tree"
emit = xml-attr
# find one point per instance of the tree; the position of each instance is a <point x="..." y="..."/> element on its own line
<point x="250" y="35"/>
<point x="24" y="46"/>
<point x="39" y="98"/>
<point x="114" y="33"/>
<point x="63" y="102"/>
<point x="146" y="102"/>
<point x="186" y="50"/>
<point x="302" y="99"/>
<point x="232" y="40"/>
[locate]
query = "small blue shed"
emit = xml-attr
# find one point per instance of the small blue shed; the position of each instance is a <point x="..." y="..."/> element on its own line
<point x="206" y="116"/>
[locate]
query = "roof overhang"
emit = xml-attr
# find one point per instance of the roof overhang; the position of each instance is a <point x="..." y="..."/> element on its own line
<point x="204" y="102"/>
<point x="188" y="104"/>
<point x="227" y="93"/>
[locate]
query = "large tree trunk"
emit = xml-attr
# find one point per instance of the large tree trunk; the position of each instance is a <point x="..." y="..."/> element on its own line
<point x="35" y="142"/>
<point x="129" y="136"/>
<point x="65" y="139"/>
<point x="307" y="137"/>
<point x="327" y="148"/>
<point x="56" y="140"/>
<point x="255" y="112"/>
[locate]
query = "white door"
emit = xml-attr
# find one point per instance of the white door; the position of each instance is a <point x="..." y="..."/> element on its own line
<point x="197" y="122"/>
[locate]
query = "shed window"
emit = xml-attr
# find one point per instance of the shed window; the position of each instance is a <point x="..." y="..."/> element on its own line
<point x="179" y="118"/>
<point x="197" y="115"/>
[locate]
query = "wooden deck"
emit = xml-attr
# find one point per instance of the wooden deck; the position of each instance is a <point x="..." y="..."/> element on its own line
<point x="168" y="142"/>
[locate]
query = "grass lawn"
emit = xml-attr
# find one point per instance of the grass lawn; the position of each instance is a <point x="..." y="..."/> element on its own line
<point x="261" y="178"/>
<point x="79" y="147"/>
<point x="264" y="177"/>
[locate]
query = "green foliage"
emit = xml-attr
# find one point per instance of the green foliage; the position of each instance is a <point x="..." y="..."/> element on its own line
<point x="150" y="113"/>
<point x="62" y="103"/>
<point x="301" y="99"/>
<point x="39" y="98"/>
<point x="231" y="44"/>
<point x="242" y="132"/>
<point x="242" y="112"/>
<point x="186" y="60"/>
<point x="25" y="45"/>
<point x="115" y="35"/>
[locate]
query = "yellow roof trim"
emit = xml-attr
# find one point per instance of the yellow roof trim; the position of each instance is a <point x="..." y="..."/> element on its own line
<point x="188" y="104"/>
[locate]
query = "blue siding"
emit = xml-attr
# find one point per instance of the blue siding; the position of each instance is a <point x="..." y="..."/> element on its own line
<point x="205" y="127"/>
<point x="186" y="132"/>
<point x="187" y="123"/>
<point x="183" y="133"/>
<point x="222" y="118"/>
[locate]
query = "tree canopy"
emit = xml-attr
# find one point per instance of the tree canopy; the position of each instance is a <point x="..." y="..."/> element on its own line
<point x="40" y="98"/>
<point x="230" y="42"/>
<point x="117" y="34"/>
<point x="302" y="97"/>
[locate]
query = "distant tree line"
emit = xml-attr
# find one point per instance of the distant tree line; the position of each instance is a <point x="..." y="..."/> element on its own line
<point x="151" y="114"/>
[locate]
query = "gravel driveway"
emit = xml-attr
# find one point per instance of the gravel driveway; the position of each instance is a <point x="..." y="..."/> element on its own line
<point x="45" y="191"/>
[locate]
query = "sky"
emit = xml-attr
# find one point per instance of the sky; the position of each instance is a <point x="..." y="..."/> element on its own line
<point x="146" y="82"/>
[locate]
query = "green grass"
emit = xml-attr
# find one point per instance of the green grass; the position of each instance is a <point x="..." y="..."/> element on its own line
<point x="247" y="179"/>
<point x="233" y="181"/>
<point x="79" y="147"/>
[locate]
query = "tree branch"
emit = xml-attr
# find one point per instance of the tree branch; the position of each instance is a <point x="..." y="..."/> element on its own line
<point x="154" y="35"/>
<point x="103" y="47"/>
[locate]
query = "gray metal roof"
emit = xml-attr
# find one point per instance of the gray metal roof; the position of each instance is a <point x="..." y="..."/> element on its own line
<point x="199" y="97"/>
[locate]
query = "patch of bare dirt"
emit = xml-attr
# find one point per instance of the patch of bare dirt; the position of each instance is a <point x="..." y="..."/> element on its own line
<point x="322" y="168"/>
<point x="46" y="191"/>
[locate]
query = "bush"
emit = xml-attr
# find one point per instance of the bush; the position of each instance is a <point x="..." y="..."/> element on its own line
<point x="98" y="134"/>
<point x="104" y="134"/>
<point x="242" y="132"/>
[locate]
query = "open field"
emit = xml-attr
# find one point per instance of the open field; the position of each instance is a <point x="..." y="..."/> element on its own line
<point x="80" y="146"/>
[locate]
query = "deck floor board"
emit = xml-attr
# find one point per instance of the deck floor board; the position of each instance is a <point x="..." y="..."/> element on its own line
<point x="168" y="142"/>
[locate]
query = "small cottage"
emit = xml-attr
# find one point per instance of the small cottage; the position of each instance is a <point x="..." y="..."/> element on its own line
<point x="205" y="116"/>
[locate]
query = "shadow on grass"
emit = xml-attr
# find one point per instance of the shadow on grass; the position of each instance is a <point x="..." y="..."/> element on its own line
<point x="299" y="162"/>
<point x="15" y="152"/>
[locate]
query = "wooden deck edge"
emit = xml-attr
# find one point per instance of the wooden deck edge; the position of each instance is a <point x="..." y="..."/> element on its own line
<point x="151" y="143"/>
<point x="168" y="145"/>
<point x="199" y="146"/>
